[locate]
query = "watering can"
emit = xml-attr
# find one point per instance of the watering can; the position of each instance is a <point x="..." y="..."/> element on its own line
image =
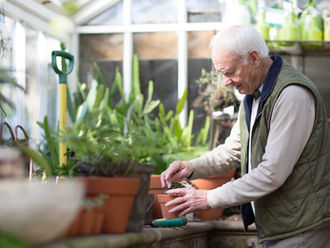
<point x="63" y="82"/>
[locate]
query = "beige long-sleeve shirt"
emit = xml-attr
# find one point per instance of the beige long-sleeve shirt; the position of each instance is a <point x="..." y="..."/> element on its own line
<point x="291" y="125"/>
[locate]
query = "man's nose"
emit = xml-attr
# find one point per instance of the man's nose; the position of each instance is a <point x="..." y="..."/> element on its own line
<point x="227" y="81"/>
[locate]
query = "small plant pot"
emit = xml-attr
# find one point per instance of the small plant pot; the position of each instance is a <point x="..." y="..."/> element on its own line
<point x="72" y="230"/>
<point x="86" y="222"/>
<point x="208" y="184"/>
<point x="163" y="199"/>
<point x="98" y="222"/>
<point x="155" y="188"/>
<point x="117" y="208"/>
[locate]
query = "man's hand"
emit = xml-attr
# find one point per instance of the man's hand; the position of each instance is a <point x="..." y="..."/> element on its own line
<point x="176" y="171"/>
<point x="188" y="200"/>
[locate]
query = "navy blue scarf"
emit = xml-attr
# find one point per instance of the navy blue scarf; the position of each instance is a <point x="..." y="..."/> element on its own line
<point x="266" y="90"/>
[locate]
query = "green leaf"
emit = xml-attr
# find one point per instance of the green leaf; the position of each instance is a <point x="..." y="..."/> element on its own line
<point x="150" y="90"/>
<point x="203" y="134"/>
<point x="70" y="107"/>
<point x="181" y="102"/>
<point x="98" y="74"/>
<point x="106" y="99"/>
<point x="99" y="97"/>
<point x="51" y="140"/>
<point x="81" y="112"/>
<point x="177" y="129"/>
<point x="119" y="82"/>
<point x="186" y="136"/>
<point x="37" y="158"/>
<point x="169" y="115"/>
<point x="136" y="88"/>
<point x="150" y="106"/>
<point x="161" y="111"/>
<point x="91" y="97"/>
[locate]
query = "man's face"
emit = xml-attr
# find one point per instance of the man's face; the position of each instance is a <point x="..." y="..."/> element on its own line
<point x="233" y="70"/>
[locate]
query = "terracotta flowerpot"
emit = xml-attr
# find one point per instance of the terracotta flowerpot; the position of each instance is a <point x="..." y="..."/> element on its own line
<point x="163" y="199"/>
<point x="86" y="221"/>
<point x="117" y="207"/>
<point x="212" y="183"/>
<point x="98" y="222"/>
<point x="155" y="188"/>
<point x="72" y="230"/>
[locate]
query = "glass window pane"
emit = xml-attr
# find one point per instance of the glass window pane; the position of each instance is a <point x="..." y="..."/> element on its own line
<point x="154" y="11"/>
<point x="113" y="15"/>
<point x="195" y="66"/>
<point x="101" y="46"/>
<point x="108" y="71"/>
<point x="164" y="74"/>
<point x="203" y="11"/>
<point x="104" y="49"/>
<point x="155" y="45"/>
<point x="157" y="53"/>
<point x="52" y="87"/>
<point x="199" y="44"/>
<point x="32" y="95"/>
<point x="7" y="26"/>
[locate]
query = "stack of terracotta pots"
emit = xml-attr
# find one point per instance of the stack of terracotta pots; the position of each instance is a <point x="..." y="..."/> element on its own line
<point x="113" y="215"/>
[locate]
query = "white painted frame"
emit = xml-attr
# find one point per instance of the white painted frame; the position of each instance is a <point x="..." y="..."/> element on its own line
<point x="37" y="16"/>
<point x="128" y="29"/>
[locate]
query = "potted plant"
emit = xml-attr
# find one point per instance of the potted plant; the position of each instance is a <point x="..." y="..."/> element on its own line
<point x="115" y="140"/>
<point x="108" y="143"/>
<point x="163" y="198"/>
<point x="90" y="219"/>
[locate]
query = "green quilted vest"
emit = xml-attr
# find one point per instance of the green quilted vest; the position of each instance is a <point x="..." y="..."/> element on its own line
<point x="303" y="201"/>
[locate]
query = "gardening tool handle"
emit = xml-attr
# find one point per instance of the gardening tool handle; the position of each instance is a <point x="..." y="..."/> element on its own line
<point x="62" y="120"/>
<point x="62" y="75"/>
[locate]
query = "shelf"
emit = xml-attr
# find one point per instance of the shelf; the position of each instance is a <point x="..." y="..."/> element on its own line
<point x="299" y="48"/>
<point x="194" y="234"/>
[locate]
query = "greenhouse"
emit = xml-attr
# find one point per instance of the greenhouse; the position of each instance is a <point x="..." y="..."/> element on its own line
<point x="153" y="123"/>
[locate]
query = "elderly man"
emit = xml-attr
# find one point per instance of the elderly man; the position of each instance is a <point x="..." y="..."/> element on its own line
<point x="280" y="141"/>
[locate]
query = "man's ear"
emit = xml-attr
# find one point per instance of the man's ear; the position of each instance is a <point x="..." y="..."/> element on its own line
<point x="254" y="58"/>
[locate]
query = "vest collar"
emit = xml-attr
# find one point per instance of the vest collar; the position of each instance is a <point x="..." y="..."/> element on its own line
<point x="267" y="88"/>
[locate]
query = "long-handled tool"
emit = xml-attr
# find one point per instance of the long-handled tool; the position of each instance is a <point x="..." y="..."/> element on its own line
<point x="62" y="81"/>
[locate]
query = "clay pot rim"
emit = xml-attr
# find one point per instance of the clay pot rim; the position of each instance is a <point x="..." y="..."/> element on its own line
<point x="155" y="182"/>
<point x="165" y="198"/>
<point x="111" y="185"/>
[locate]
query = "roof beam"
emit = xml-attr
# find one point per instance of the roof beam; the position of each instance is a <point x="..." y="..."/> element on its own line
<point x="24" y="16"/>
<point x="35" y="8"/>
<point x="147" y="28"/>
<point x="92" y="9"/>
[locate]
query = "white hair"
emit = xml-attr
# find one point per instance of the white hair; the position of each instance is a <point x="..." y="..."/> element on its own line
<point x="241" y="39"/>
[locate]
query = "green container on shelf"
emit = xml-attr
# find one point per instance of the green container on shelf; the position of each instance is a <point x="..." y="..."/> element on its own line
<point x="311" y="26"/>
<point x="262" y="26"/>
